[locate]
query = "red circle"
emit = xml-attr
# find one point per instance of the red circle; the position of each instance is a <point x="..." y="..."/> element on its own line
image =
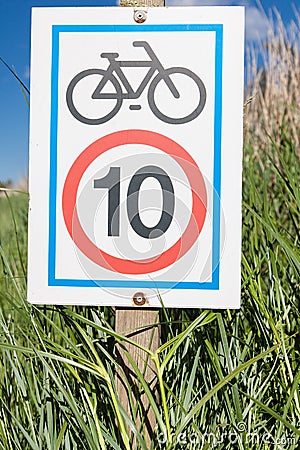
<point x="184" y="243"/>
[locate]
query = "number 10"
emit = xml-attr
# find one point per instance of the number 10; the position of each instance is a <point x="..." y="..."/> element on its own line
<point x="112" y="182"/>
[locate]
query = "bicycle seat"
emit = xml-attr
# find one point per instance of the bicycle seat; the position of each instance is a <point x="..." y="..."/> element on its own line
<point x="109" y="55"/>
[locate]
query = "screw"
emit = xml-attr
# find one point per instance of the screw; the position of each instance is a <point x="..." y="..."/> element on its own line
<point x="139" y="298"/>
<point x="140" y="16"/>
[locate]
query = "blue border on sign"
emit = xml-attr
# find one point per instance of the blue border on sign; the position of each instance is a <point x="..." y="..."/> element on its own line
<point x="214" y="284"/>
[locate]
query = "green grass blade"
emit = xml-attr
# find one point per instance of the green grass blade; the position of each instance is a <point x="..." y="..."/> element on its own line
<point x="194" y="411"/>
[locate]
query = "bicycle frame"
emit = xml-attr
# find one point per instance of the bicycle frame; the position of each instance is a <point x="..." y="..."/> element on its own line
<point x="116" y="67"/>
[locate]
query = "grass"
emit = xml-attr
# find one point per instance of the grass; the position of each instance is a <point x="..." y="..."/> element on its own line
<point x="225" y="379"/>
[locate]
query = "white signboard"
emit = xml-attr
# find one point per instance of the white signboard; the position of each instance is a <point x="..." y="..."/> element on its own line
<point x="135" y="156"/>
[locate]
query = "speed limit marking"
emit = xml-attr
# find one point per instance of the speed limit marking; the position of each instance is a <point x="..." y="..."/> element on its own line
<point x="199" y="201"/>
<point x="136" y="156"/>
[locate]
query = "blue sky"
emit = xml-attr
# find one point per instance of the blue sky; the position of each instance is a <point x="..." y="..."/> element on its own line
<point x="15" y="50"/>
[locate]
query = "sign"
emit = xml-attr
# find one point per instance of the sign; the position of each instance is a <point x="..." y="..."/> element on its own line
<point x="135" y="156"/>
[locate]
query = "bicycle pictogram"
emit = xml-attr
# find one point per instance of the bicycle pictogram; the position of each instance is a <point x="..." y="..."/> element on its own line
<point x="123" y="90"/>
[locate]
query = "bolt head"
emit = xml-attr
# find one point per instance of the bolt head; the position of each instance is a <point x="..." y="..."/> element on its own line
<point x="140" y="16"/>
<point x="139" y="298"/>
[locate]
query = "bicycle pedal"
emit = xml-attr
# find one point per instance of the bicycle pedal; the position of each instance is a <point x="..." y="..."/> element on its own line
<point x="135" y="107"/>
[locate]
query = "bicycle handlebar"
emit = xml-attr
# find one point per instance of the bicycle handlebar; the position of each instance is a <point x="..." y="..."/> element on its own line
<point x="146" y="47"/>
<point x="140" y="44"/>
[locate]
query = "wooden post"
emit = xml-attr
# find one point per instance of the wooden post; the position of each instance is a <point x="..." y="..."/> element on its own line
<point x="142" y="3"/>
<point x="137" y="324"/>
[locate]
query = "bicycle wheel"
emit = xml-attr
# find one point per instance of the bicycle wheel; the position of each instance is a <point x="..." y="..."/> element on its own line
<point x="86" y="93"/>
<point x="161" y="77"/>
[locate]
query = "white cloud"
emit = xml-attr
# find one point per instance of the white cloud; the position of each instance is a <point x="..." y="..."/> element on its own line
<point x="257" y="24"/>
<point x="256" y="20"/>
